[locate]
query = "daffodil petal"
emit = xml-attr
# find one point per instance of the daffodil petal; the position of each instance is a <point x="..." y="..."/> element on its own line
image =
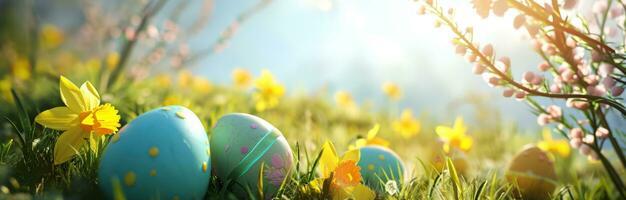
<point x="68" y="145"/>
<point x="59" y="118"/>
<point x="354" y="154"/>
<point x="90" y="95"/>
<point x="444" y="132"/>
<point x="71" y="95"/>
<point x="328" y="160"/>
<point x="466" y="143"/>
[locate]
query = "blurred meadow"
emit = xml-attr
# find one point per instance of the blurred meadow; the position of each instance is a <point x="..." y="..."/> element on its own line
<point x="352" y="72"/>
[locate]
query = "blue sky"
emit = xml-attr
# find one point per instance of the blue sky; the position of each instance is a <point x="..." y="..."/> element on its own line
<point x="357" y="45"/>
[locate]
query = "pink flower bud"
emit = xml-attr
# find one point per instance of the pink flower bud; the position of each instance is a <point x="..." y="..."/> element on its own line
<point x="488" y="50"/>
<point x="617" y="91"/>
<point x="588" y="139"/>
<point x="599" y="7"/>
<point x="494" y="81"/>
<point x="596" y="56"/>
<point x="608" y="82"/>
<point x="421" y="9"/>
<point x="576" y="133"/>
<point x="470" y="57"/>
<point x="528" y="76"/>
<point x="478" y="68"/>
<point x="602" y="133"/>
<point x="616" y="12"/>
<point x="537" y="80"/>
<point x="555" y="88"/>
<point x="500" y="7"/>
<point x="568" y="76"/>
<point x="597" y="90"/>
<point x="520" y="95"/>
<point x="544" y="66"/>
<point x="543" y="119"/>
<point x="570" y="42"/>
<point x="532" y="29"/>
<point x="519" y="21"/>
<point x="569" y="4"/>
<point x="554" y="111"/>
<point x="460" y="50"/>
<point x="592" y="79"/>
<point x="575" y="143"/>
<point x="548" y="49"/>
<point x="508" y="93"/>
<point x="605" y="69"/>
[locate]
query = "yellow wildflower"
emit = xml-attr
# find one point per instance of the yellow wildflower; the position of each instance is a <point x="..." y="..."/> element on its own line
<point x="163" y="80"/>
<point x="112" y="59"/>
<point x="21" y="68"/>
<point x="407" y="125"/>
<point x="82" y="118"/>
<point x="371" y="139"/>
<point x="51" y="36"/>
<point x="345" y="174"/>
<point x="392" y="90"/>
<point x="201" y="85"/>
<point x="242" y="78"/>
<point x="344" y="99"/>
<point x="185" y="79"/>
<point x="5" y="89"/>
<point x="454" y="137"/>
<point x="548" y="144"/>
<point x="268" y="91"/>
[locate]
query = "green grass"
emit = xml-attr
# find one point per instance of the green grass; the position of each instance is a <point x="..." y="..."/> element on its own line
<point x="306" y="120"/>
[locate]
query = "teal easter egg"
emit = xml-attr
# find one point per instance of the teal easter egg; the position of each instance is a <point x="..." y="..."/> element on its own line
<point x="161" y="154"/>
<point x="380" y="165"/>
<point x="240" y="145"/>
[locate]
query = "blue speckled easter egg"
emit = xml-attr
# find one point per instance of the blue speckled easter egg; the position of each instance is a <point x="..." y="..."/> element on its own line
<point x="240" y="145"/>
<point x="161" y="154"/>
<point x="380" y="165"/>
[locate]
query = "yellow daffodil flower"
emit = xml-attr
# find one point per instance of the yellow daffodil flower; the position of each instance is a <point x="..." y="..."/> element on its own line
<point x="560" y="147"/>
<point x="268" y="91"/>
<point x="344" y="99"/>
<point x="407" y="125"/>
<point x="454" y="137"/>
<point x="241" y="78"/>
<point x="5" y="89"/>
<point x="392" y="90"/>
<point x="83" y="118"/>
<point x="112" y="59"/>
<point x="51" y="36"/>
<point x="344" y="173"/>
<point x="21" y="68"/>
<point x="201" y="85"/>
<point x="371" y="139"/>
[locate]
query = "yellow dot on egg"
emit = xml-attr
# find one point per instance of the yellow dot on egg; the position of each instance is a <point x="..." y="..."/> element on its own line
<point x="154" y="152"/>
<point x="153" y="172"/>
<point x="208" y="151"/>
<point x="204" y="166"/>
<point x="166" y="108"/>
<point x="370" y="167"/>
<point x="129" y="179"/>
<point x="180" y="115"/>
<point x="381" y="157"/>
<point x="176" y="197"/>
<point x="115" y="138"/>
